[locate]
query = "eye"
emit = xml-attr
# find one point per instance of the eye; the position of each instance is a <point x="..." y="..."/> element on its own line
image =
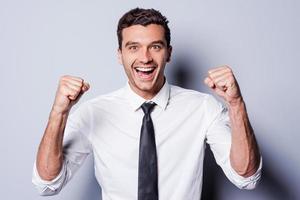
<point x="133" y="48"/>
<point x="156" y="47"/>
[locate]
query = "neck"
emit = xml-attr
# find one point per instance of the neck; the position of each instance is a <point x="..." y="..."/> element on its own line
<point x="149" y="94"/>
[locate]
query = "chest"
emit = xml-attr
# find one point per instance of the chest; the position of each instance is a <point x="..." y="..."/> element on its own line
<point x="116" y="134"/>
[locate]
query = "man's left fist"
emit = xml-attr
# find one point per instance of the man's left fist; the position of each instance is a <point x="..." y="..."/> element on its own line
<point x="222" y="81"/>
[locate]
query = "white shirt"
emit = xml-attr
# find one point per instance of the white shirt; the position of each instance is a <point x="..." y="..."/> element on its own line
<point x="109" y="127"/>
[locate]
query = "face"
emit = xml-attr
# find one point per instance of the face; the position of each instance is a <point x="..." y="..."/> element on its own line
<point x="144" y="55"/>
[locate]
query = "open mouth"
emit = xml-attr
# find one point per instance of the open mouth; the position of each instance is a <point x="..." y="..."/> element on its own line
<point x="145" y="72"/>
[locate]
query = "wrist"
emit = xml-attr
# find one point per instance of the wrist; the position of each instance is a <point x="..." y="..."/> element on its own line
<point x="236" y="102"/>
<point x="237" y="108"/>
<point x="237" y="111"/>
<point x="57" y="111"/>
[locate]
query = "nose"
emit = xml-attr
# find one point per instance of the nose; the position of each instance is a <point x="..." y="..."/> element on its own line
<point x="145" y="56"/>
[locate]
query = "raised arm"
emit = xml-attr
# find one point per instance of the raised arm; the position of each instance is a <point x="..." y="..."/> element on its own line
<point x="244" y="152"/>
<point x="50" y="153"/>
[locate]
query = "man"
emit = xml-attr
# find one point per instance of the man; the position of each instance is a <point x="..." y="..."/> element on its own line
<point x="148" y="138"/>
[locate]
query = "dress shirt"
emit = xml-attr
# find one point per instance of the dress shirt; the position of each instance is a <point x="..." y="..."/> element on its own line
<point x="108" y="126"/>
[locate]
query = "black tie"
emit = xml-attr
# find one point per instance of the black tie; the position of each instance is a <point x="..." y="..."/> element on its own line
<point x="147" y="179"/>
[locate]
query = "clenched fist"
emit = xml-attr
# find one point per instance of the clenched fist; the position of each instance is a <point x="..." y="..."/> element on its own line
<point x="222" y="81"/>
<point x="69" y="91"/>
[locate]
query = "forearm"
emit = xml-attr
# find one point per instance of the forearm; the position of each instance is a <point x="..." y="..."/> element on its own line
<point x="244" y="152"/>
<point x="50" y="152"/>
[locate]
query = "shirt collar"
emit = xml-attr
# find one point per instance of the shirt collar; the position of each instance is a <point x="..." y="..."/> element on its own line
<point x="161" y="98"/>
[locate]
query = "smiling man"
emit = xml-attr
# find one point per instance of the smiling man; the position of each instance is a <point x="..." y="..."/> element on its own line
<point x="148" y="138"/>
<point x="144" y="54"/>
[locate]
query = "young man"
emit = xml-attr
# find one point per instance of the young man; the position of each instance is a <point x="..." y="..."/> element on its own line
<point x="148" y="138"/>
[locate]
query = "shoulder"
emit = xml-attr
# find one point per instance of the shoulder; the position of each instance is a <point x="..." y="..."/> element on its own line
<point x="189" y="96"/>
<point x="103" y="101"/>
<point x="108" y="98"/>
<point x="179" y="93"/>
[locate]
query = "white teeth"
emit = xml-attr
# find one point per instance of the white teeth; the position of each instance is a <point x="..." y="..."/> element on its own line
<point x="145" y="69"/>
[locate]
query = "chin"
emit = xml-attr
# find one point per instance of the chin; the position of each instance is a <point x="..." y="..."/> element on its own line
<point x="147" y="87"/>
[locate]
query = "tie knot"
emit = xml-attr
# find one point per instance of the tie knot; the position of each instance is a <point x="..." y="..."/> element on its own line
<point x="148" y="106"/>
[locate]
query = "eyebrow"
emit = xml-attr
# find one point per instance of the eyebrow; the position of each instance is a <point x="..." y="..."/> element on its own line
<point x="131" y="43"/>
<point x="158" y="42"/>
<point x="136" y="43"/>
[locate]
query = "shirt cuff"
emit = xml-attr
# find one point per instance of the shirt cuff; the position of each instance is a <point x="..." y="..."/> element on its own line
<point x="45" y="187"/>
<point x="247" y="183"/>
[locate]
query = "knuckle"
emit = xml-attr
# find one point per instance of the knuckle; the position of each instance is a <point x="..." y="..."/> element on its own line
<point x="77" y="92"/>
<point x="74" y="95"/>
<point x="228" y="69"/>
<point x="63" y="85"/>
<point x="73" y="92"/>
<point x="77" y="88"/>
<point x="78" y="79"/>
<point x="228" y="74"/>
<point x="65" y="77"/>
<point x="220" y="83"/>
<point x="61" y="79"/>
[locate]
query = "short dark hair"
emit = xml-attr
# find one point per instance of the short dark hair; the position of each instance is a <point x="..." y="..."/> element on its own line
<point x="144" y="17"/>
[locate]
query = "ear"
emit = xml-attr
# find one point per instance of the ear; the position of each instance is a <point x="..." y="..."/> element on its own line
<point x="120" y="57"/>
<point x="169" y="53"/>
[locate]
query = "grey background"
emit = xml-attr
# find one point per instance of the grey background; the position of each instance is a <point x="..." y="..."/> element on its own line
<point x="42" y="40"/>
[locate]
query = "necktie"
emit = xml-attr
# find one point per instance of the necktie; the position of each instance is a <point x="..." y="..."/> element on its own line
<point x="147" y="176"/>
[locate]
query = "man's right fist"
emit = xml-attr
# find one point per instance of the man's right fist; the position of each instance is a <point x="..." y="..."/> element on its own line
<point x="69" y="91"/>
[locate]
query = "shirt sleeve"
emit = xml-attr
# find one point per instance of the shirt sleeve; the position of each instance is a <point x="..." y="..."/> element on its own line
<point x="219" y="138"/>
<point x="76" y="147"/>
